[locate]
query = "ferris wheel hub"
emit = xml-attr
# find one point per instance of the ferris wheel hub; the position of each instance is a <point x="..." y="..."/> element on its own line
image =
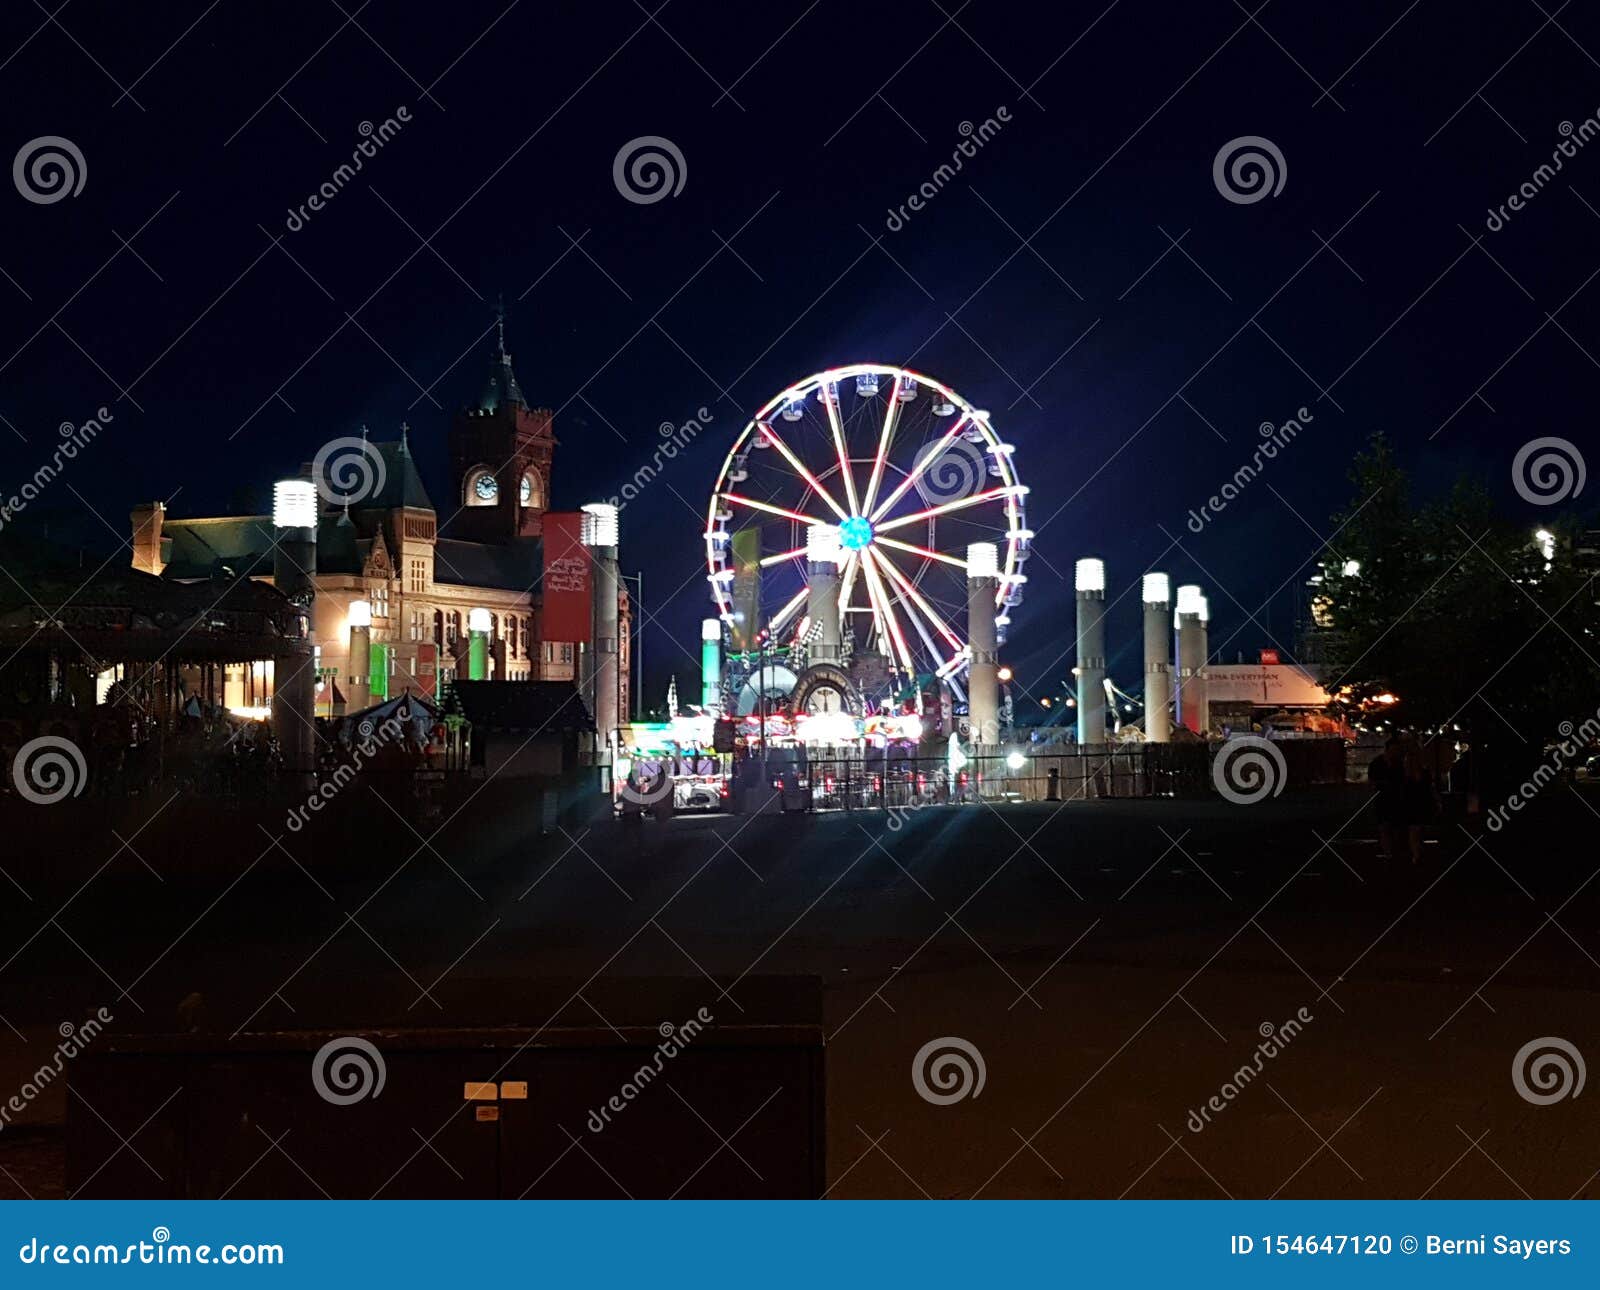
<point x="855" y="533"/>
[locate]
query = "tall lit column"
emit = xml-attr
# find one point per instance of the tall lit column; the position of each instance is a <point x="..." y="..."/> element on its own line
<point x="711" y="664"/>
<point x="294" y="573"/>
<point x="1202" y="675"/>
<point x="1090" y="581"/>
<point x="1190" y="657"/>
<point x="983" y="677"/>
<point x="478" y="621"/>
<point x="358" y="687"/>
<point x="600" y="534"/>
<point x="823" y="554"/>
<point x="1157" y="663"/>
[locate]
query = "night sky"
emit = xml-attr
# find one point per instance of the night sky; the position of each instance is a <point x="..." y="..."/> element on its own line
<point x="225" y="346"/>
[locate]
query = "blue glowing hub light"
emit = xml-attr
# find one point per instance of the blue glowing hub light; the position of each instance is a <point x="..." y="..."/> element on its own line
<point x="855" y="533"/>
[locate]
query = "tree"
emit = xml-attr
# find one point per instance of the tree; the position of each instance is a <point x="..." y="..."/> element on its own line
<point x="1455" y="610"/>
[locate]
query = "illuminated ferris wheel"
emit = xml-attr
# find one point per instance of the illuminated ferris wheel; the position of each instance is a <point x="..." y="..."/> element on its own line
<point x="890" y="476"/>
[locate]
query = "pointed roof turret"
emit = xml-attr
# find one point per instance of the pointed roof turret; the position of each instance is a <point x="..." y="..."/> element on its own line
<point x="502" y="389"/>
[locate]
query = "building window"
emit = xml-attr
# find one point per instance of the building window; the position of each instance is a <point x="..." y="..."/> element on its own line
<point x="527" y="635"/>
<point x="419" y="618"/>
<point x="380" y="600"/>
<point x="419" y="576"/>
<point x="566" y="652"/>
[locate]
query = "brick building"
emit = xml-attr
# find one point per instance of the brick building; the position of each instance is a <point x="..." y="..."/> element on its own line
<point x="421" y="570"/>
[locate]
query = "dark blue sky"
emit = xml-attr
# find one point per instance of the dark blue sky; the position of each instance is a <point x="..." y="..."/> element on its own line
<point x="243" y="361"/>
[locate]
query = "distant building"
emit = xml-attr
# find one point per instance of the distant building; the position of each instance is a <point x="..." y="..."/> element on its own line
<point x="421" y="574"/>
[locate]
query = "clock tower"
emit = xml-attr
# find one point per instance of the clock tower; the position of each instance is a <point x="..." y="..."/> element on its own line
<point x="500" y="455"/>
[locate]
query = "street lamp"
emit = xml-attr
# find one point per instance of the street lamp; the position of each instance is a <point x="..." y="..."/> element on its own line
<point x="360" y="653"/>
<point x="294" y="574"/>
<point x="478" y="644"/>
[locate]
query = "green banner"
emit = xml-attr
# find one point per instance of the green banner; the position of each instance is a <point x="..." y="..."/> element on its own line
<point x="378" y="671"/>
<point x="745" y="548"/>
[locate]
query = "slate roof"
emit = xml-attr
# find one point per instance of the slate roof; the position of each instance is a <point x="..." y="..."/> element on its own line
<point x="203" y="548"/>
<point x="402" y="484"/>
<point x="513" y="566"/>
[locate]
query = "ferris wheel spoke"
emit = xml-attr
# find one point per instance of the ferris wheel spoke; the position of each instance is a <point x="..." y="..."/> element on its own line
<point x="776" y="622"/>
<point x="915" y="473"/>
<point x="884" y="440"/>
<point x="767" y="561"/>
<point x="830" y="400"/>
<point x="961" y="503"/>
<point x="775" y="510"/>
<point x="799" y="469"/>
<point x="935" y="653"/>
<point x="847" y="582"/>
<point x="908" y="589"/>
<point x="923" y="551"/>
<point x="880" y="598"/>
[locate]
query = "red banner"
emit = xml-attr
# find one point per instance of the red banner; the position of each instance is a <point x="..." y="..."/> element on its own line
<point x="567" y="578"/>
<point x="428" y="669"/>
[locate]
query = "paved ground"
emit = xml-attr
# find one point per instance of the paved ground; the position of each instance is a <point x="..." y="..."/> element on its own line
<point x="1112" y="964"/>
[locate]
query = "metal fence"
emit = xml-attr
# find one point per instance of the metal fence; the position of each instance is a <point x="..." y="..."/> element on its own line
<point x="1048" y="775"/>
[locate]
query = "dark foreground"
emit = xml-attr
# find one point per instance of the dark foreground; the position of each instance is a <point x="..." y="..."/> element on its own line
<point x="1113" y="965"/>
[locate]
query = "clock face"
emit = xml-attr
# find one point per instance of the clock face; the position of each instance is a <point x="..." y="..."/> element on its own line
<point x="486" y="487"/>
<point x="526" y="491"/>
